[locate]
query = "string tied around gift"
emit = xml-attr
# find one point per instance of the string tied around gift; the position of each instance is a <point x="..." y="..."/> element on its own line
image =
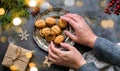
<point x="18" y="54"/>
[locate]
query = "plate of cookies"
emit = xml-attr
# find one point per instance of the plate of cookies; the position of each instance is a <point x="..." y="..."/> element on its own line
<point x="49" y="27"/>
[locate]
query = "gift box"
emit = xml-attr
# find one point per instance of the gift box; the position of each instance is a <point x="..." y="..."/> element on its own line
<point x="16" y="56"/>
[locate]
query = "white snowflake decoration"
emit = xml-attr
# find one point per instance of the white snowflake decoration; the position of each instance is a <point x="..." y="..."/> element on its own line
<point x="24" y="35"/>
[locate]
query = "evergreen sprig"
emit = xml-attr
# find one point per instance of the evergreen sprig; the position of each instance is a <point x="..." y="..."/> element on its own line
<point x="13" y="8"/>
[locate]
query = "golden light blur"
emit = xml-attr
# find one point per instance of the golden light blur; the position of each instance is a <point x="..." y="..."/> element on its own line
<point x="17" y="21"/>
<point x="39" y="2"/>
<point x="79" y="3"/>
<point x="107" y="23"/>
<point x="32" y="65"/>
<point x="103" y="3"/>
<point x="32" y="3"/>
<point x="28" y="54"/>
<point x="13" y="68"/>
<point x="2" y="11"/>
<point x="3" y="39"/>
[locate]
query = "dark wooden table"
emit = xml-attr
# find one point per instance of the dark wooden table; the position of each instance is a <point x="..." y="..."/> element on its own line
<point x="92" y="11"/>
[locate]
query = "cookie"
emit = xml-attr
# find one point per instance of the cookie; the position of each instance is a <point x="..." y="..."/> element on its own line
<point x="40" y="23"/>
<point x="50" y="21"/>
<point x="62" y="24"/>
<point x="56" y="29"/>
<point x="45" y="31"/>
<point x="59" y="39"/>
<point x="50" y="37"/>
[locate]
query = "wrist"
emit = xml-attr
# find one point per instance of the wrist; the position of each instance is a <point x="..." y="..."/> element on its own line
<point x="92" y="41"/>
<point x="80" y="63"/>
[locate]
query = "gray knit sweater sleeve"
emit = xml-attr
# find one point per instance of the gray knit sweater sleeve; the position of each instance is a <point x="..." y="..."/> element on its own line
<point x="105" y="50"/>
<point x="88" y="67"/>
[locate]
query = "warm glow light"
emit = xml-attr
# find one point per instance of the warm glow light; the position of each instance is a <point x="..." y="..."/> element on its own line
<point x="17" y="21"/>
<point x="32" y="3"/>
<point x="2" y="11"/>
<point x="33" y="69"/>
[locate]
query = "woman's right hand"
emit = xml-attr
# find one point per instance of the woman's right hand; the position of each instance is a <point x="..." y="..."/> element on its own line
<point x="83" y="34"/>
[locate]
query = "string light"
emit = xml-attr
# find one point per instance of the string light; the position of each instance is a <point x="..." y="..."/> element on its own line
<point x="17" y="21"/>
<point x="32" y="3"/>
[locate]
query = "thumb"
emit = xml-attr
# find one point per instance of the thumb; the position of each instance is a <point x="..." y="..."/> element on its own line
<point x="66" y="46"/>
<point x="71" y="36"/>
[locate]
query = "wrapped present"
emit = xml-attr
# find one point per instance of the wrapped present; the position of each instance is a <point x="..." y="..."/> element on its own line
<point x="17" y="57"/>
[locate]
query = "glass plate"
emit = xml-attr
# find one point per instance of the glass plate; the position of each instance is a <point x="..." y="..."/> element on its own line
<point x="56" y="13"/>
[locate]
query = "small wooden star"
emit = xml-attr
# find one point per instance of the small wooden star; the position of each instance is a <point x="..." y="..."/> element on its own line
<point x="24" y="35"/>
<point x="47" y="62"/>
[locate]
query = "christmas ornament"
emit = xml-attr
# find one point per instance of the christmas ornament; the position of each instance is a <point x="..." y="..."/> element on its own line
<point x="113" y="6"/>
<point x="47" y="62"/>
<point x="24" y="35"/>
<point x="2" y="11"/>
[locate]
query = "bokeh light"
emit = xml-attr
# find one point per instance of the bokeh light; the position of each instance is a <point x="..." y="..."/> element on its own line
<point x="2" y="11"/>
<point x="32" y="3"/>
<point x="46" y="5"/>
<point x="33" y="69"/>
<point x="17" y="21"/>
<point x="69" y="2"/>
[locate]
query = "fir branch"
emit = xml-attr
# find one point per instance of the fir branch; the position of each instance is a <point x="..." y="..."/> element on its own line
<point x="13" y="8"/>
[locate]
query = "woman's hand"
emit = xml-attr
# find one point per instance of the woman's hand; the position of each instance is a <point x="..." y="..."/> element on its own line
<point x="70" y="58"/>
<point x="83" y="34"/>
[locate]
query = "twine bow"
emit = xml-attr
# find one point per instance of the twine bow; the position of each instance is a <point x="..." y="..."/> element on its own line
<point x="18" y="54"/>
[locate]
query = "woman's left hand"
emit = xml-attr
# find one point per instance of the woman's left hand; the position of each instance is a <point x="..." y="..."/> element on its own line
<point x="71" y="58"/>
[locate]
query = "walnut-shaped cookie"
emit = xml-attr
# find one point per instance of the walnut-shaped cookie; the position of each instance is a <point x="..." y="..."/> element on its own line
<point x="40" y="23"/>
<point x="56" y="29"/>
<point x="50" y="21"/>
<point x="41" y="34"/>
<point x="62" y="24"/>
<point x="59" y="39"/>
<point x="44" y="31"/>
<point x="50" y="37"/>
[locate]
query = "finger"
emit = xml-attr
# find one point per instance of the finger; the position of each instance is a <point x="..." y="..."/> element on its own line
<point x="54" y="49"/>
<point x="71" y="36"/>
<point x="71" y="22"/>
<point x="72" y="16"/>
<point x="66" y="46"/>
<point x="51" y="59"/>
<point x="81" y="18"/>
<point x="52" y="54"/>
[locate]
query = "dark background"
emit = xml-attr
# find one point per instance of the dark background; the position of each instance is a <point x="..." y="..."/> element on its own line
<point x="91" y="11"/>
